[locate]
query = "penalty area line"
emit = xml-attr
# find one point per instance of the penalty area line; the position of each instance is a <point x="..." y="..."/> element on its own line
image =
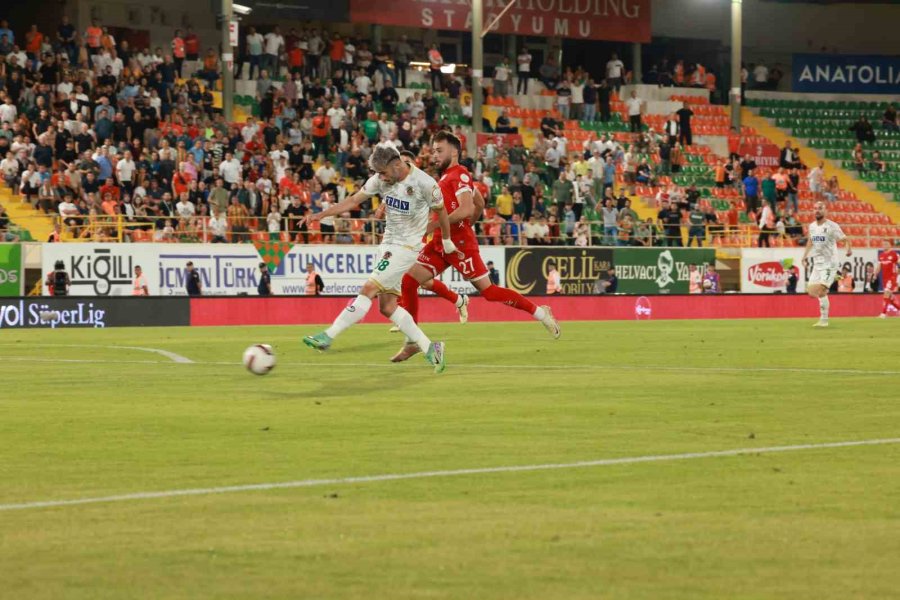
<point x="308" y="483"/>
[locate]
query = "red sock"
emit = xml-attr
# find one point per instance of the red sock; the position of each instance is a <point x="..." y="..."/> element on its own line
<point x="896" y="302"/>
<point x="438" y="287"/>
<point x="885" y="302"/>
<point x="495" y="293"/>
<point x="409" y="296"/>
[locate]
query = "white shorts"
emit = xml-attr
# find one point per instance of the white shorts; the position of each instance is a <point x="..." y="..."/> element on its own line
<point x="391" y="265"/>
<point x="822" y="275"/>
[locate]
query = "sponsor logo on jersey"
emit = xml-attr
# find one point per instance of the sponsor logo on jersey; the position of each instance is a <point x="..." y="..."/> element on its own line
<point x="397" y="204"/>
<point x="464" y="178"/>
<point x="819" y="238"/>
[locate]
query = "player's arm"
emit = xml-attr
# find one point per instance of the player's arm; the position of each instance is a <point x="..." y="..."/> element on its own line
<point x="478" y="203"/>
<point x="465" y="210"/>
<point x="345" y="205"/>
<point x="846" y="241"/>
<point x="808" y="246"/>
<point x="444" y="224"/>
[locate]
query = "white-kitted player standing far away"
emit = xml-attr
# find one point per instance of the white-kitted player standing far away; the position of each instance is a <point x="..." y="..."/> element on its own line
<point x="822" y="245"/>
<point x="409" y="195"/>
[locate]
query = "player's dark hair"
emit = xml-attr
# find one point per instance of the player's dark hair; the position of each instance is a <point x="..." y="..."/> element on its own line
<point x="408" y="154"/>
<point x="446" y="136"/>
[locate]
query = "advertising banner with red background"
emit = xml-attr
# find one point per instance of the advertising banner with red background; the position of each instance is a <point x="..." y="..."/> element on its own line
<point x="765" y="155"/>
<point x="301" y="310"/>
<point x="615" y="20"/>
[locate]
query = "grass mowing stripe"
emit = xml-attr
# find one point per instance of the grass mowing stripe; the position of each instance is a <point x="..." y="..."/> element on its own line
<point x="304" y="483"/>
<point x="485" y="367"/>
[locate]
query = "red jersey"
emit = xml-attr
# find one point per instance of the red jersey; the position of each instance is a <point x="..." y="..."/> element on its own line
<point x="889" y="260"/>
<point x="454" y="182"/>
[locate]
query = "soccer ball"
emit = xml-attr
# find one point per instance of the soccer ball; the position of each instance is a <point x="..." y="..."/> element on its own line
<point x="259" y="359"/>
<point x="707" y="284"/>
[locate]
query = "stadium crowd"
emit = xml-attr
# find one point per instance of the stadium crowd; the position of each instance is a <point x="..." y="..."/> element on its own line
<point x="127" y="143"/>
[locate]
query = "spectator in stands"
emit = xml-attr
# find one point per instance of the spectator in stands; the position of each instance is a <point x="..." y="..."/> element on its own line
<point x="635" y="108"/>
<point x="435" y="62"/>
<point x="254" y="50"/>
<point x="603" y="101"/>
<point x="615" y="72"/>
<point x="751" y="193"/>
<point x="889" y="119"/>
<point x="676" y="158"/>
<point x="789" y="158"/>
<point x="502" y="74"/>
<point x="523" y="70"/>
<point x="696" y="226"/>
<point x="863" y="130"/>
<point x="877" y="163"/>
<point x="669" y="220"/>
<point x="610" y="217"/>
<point x="766" y="225"/>
<point x="684" y="125"/>
<point x="816" y="181"/>
<point x="859" y="159"/>
<point x="549" y="73"/>
<point x="274" y="45"/>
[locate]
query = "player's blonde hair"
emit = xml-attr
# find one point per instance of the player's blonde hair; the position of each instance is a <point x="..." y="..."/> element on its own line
<point x="382" y="156"/>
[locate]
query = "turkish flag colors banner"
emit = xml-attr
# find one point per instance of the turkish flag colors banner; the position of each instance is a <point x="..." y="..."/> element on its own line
<point x="615" y="20"/>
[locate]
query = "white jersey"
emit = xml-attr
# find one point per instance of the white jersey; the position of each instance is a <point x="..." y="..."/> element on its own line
<point x="408" y="203"/>
<point x="824" y="239"/>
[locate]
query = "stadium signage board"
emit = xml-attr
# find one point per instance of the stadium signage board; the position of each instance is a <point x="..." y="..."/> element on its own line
<point x="10" y="270"/>
<point x="98" y="313"/>
<point x="846" y="74"/>
<point x="765" y="270"/>
<point x="225" y="269"/>
<point x="658" y="270"/>
<point x="614" y="20"/>
<point x="579" y="268"/>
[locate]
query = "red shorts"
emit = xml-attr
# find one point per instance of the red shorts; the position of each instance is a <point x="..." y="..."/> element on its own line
<point x="469" y="265"/>
<point x="890" y="285"/>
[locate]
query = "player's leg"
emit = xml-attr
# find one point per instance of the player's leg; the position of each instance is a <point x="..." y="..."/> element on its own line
<point x="418" y="275"/>
<point x="434" y="351"/>
<point x="352" y="314"/>
<point x="495" y="293"/>
<point x="889" y="299"/>
<point x="390" y="279"/>
<point x="819" y="290"/>
<point x="460" y="301"/>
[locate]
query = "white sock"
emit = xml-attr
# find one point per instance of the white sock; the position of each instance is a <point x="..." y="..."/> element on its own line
<point x="459" y="301"/>
<point x="539" y="314"/>
<point x="351" y="315"/>
<point x="823" y="307"/>
<point x="402" y="319"/>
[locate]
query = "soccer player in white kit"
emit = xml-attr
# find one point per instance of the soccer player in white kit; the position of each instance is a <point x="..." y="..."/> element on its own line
<point x="822" y="245"/>
<point x="409" y="195"/>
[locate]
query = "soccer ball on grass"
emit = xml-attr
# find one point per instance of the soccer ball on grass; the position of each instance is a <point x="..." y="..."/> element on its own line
<point x="259" y="359"/>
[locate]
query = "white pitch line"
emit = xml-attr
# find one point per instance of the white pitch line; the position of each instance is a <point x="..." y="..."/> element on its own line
<point x="490" y="367"/>
<point x="177" y="358"/>
<point x="307" y="483"/>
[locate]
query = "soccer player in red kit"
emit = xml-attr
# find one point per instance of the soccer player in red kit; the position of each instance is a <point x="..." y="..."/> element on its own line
<point x="887" y="266"/>
<point x="456" y="185"/>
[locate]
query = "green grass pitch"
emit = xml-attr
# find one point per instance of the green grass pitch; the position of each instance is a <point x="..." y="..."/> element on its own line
<point x="83" y="417"/>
